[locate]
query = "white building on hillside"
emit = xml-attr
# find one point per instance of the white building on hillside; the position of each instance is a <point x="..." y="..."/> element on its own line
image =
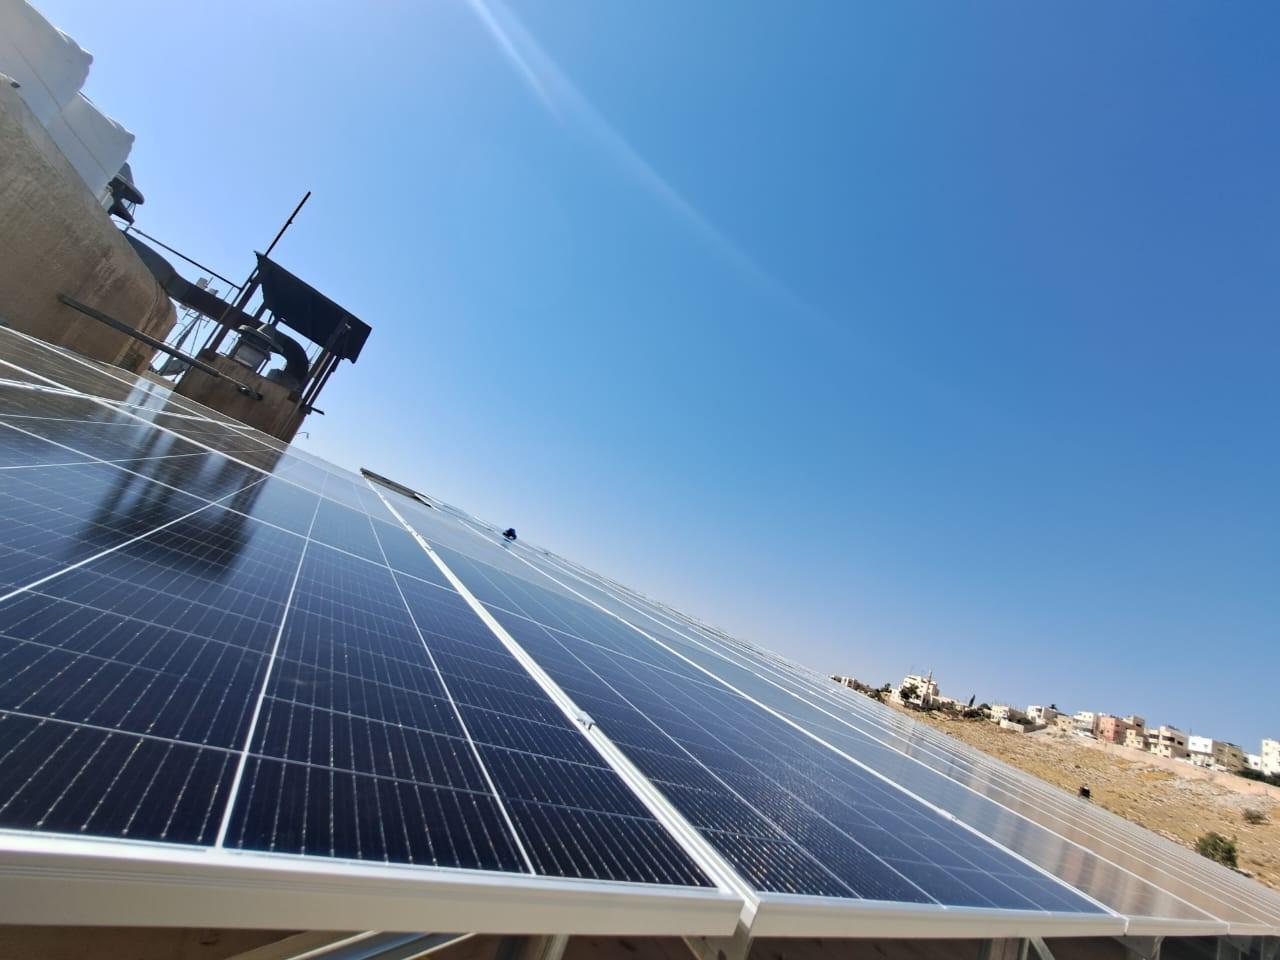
<point x="1039" y="714"/>
<point x="1218" y="754"/>
<point x="1271" y="757"/>
<point x="1085" y="722"/>
<point x="1253" y="761"/>
<point x="925" y="690"/>
<point x="1200" y="751"/>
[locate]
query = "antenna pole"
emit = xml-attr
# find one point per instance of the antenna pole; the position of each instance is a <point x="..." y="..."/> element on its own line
<point x="286" y="223"/>
<point x="249" y="287"/>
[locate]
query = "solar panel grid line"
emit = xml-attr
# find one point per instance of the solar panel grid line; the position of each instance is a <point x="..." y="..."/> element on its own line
<point x="195" y="411"/>
<point x="648" y="714"/>
<point x="122" y="405"/>
<point x="113" y="373"/>
<point x="47" y="385"/>
<point x="667" y="787"/>
<point x="722" y="875"/>
<point x="306" y="475"/>
<point x="1118" y="866"/>
<point x="119" y="463"/>
<point x="109" y="550"/>
<point x="551" y="883"/>
<point x="924" y="732"/>
<point x="484" y="770"/>
<point x="1110" y="924"/>
<point x="488" y="531"/>
<point x="71" y="463"/>
<point x="440" y="592"/>
<point x="829" y="746"/>
<point x="238" y="776"/>
<point x="773" y="659"/>
<point x="770" y="681"/>
<point x="1183" y="864"/>
<point x="182" y="437"/>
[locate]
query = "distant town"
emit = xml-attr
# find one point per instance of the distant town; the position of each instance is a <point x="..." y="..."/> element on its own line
<point x="917" y="692"/>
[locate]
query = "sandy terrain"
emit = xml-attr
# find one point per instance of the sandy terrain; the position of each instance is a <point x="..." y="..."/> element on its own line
<point x="1178" y="807"/>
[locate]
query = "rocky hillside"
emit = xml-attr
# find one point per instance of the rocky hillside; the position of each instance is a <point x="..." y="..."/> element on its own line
<point x="1178" y="807"/>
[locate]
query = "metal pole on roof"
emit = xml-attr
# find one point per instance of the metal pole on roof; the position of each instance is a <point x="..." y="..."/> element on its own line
<point x="250" y="286"/>
<point x="286" y="223"/>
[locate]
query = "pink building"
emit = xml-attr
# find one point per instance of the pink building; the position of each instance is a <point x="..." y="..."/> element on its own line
<point x="1113" y="729"/>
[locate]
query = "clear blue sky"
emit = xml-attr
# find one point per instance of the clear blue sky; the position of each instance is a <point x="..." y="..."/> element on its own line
<point x="889" y="335"/>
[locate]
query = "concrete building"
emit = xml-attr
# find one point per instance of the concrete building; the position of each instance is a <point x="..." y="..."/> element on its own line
<point x="1200" y="751"/>
<point x="1167" y="742"/>
<point x="71" y="277"/>
<point x="1064" y="723"/>
<point x="1228" y="756"/>
<point x="1136" y="738"/>
<point x="926" y="690"/>
<point x="1040" y="714"/>
<point x="1217" y="754"/>
<point x="1253" y="761"/>
<point x="1112" y="729"/>
<point x="1270" y="757"/>
<point x="1135" y="721"/>
<point x="1085" y="723"/>
<point x="58" y="240"/>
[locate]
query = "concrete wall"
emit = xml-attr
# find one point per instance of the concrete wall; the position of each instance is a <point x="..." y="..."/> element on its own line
<point x="277" y="413"/>
<point x="56" y="238"/>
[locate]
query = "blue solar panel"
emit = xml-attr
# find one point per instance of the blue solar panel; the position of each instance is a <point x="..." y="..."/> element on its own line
<point x="787" y="812"/>
<point x="195" y="652"/>
<point x="211" y="640"/>
<point x="1054" y="834"/>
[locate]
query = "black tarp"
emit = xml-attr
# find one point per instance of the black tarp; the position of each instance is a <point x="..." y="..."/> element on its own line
<point x="303" y="308"/>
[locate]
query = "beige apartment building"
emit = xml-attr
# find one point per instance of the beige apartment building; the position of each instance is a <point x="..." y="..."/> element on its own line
<point x="1168" y="742"/>
<point x="1136" y="738"/>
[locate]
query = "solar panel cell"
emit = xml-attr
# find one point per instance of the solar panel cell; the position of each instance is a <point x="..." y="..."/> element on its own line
<point x="68" y="778"/>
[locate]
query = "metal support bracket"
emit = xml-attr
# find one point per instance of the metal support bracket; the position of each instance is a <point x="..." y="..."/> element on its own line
<point x="155" y="344"/>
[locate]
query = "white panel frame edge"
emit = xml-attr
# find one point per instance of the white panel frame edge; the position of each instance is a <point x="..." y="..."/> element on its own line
<point x="785" y="915"/>
<point x="80" y="882"/>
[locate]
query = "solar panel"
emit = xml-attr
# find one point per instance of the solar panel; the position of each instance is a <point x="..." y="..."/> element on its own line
<point x="1144" y="876"/>
<point x="791" y="816"/>
<point x="226" y="658"/>
<point x="1152" y="882"/>
<point x="195" y="652"/>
